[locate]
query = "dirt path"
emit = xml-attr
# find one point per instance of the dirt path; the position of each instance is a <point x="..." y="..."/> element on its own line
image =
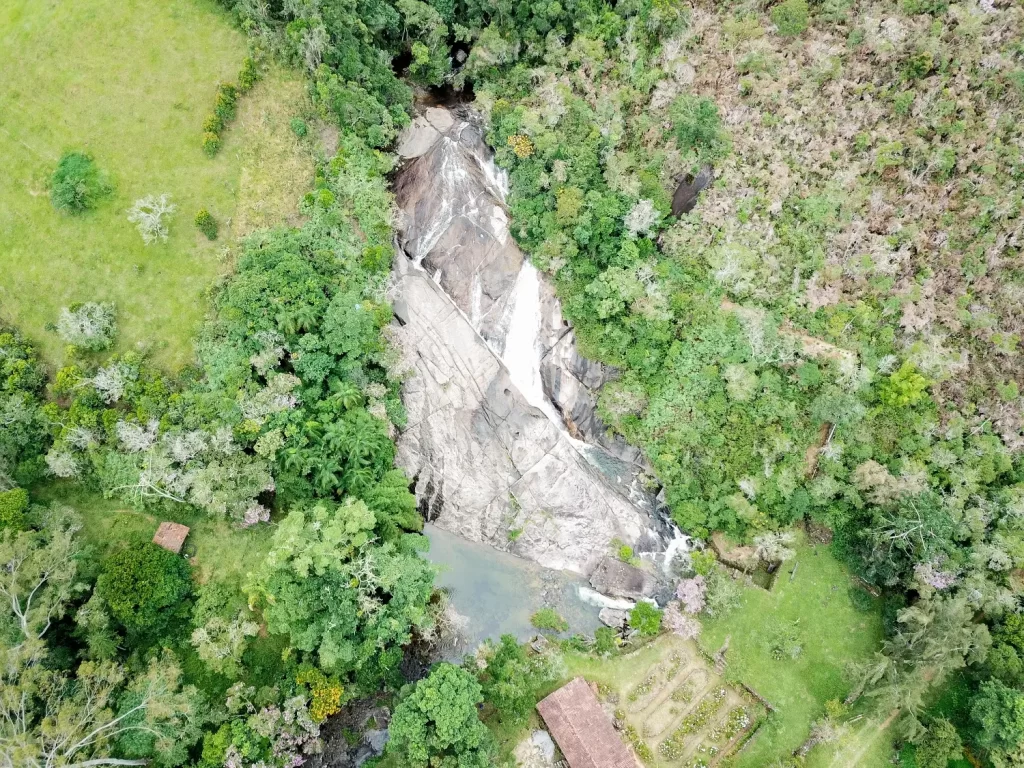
<point x="852" y="755"/>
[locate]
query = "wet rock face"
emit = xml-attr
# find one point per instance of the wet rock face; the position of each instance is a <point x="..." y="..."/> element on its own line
<point x="502" y="435"/>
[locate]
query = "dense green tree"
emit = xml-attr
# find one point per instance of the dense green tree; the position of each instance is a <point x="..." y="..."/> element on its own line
<point x="437" y="725"/>
<point x="511" y="678"/>
<point x="38" y="579"/>
<point x="339" y="593"/>
<point x="935" y="637"/>
<point x="101" y="716"/>
<point x="23" y="437"/>
<point x="645" y="619"/>
<point x="998" y="712"/>
<point x="145" y="587"/>
<point x="77" y="184"/>
<point x="940" y="744"/>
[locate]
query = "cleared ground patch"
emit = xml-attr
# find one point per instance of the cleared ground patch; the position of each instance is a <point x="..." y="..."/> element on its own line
<point x="815" y="612"/>
<point x="131" y="83"/>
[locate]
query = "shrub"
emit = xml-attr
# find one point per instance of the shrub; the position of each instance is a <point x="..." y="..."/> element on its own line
<point x="226" y="102"/>
<point x="211" y="143"/>
<point x="213" y="124"/>
<point x="76" y="183"/>
<point x="143" y="586"/>
<point x="148" y="216"/>
<point x="703" y="561"/>
<point x="90" y="326"/>
<point x="645" y="619"/>
<point x="920" y="65"/>
<point x="206" y="224"/>
<point x="299" y="127"/>
<point x="790" y="17"/>
<point x="604" y="641"/>
<point x="861" y="599"/>
<point x="13" y="504"/>
<point x="248" y="75"/>
<point x="549" y="619"/>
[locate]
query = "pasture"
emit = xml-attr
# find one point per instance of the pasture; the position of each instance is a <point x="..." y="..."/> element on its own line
<point x="130" y="83"/>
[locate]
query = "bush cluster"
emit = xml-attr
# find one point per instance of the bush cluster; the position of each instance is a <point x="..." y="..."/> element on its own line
<point x="225" y="105"/>
<point x="206" y="224"/>
<point x="77" y="184"/>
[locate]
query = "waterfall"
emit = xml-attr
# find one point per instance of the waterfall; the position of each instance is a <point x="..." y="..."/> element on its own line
<point x="522" y="343"/>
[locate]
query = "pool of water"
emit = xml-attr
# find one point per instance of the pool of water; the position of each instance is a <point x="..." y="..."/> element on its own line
<point x="498" y="592"/>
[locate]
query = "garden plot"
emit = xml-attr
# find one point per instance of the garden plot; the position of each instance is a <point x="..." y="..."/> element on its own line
<point x="677" y="711"/>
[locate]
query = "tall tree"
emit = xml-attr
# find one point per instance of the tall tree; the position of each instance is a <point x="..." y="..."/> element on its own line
<point x="48" y="719"/>
<point x="437" y="724"/>
<point x="38" y="569"/>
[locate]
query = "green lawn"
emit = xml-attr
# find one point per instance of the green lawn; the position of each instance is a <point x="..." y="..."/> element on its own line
<point x="213" y="546"/>
<point x="130" y="82"/>
<point x="831" y="631"/>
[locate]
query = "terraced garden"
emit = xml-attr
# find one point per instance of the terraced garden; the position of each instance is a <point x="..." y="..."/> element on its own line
<point x="676" y="710"/>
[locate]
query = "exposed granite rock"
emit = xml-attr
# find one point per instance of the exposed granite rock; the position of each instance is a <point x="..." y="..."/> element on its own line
<point x="486" y="462"/>
<point x="498" y="458"/>
<point x="613" y="617"/>
<point x="619" y="579"/>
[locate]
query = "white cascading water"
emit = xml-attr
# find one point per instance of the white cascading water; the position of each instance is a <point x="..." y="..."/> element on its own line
<point x="522" y="342"/>
<point x="595" y="598"/>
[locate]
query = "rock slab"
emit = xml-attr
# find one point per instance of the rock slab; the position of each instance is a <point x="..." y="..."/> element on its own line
<point x="490" y="462"/>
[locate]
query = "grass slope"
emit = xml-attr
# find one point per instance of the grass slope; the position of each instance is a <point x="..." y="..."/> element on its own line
<point x="131" y="82"/>
<point x="831" y="631"/>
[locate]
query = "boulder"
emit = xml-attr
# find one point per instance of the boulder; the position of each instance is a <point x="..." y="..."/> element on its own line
<point x="535" y="751"/>
<point x="619" y="579"/>
<point x="613" y="618"/>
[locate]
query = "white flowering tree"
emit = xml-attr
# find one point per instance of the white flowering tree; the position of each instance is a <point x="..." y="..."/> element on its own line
<point x="90" y="325"/>
<point x="149" y="216"/>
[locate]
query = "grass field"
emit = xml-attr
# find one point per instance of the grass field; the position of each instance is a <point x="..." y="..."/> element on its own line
<point x="816" y="607"/>
<point x="130" y="82"/>
<point x="212" y="545"/>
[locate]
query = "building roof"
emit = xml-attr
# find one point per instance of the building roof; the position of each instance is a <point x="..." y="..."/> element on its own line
<point x="171" y="536"/>
<point x="582" y="729"/>
<point x="614" y="577"/>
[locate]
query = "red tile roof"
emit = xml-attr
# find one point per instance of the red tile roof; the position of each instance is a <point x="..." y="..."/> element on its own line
<point x="582" y="729"/>
<point x="171" y="536"/>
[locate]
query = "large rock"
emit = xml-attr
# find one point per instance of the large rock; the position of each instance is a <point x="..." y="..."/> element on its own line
<point x="486" y="463"/>
<point x="619" y="579"/>
<point x="614" y="618"/>
<point x="502" y="438"/>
